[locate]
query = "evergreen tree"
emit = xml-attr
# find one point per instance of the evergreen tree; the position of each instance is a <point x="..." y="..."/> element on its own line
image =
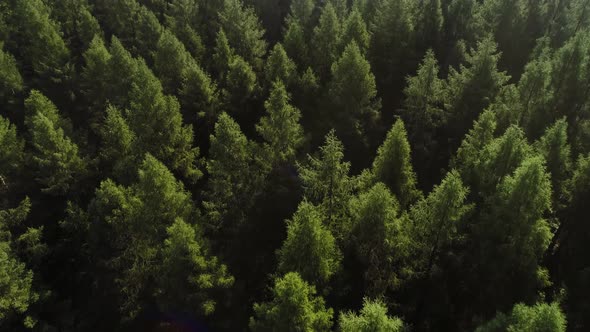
<point x="310" y="249"/>
<point x="373" y="317"/>
<point x="379" y="238"/>
<point x="423" y="113"/>
<point x="294" y="307"/>
<point x="280" y="127"/>
<point x="326" y="181"/>
<point x="244" y="31"/>
<point x="554" y="147"/>
<point x="429" y="24"/>
<point x="325" y="41"/>
<point x="393" y="166"/>
<point x="474" y="86"/>
<point x="58" y="165"/>
<point x="540" y="317"/>
<point x="170" y="61"/>
<point x="198" y="93"/>
<point x="353" y="93"/>
<point x="16" y="280"/>
<point x="279" y="67"/>
<point x="296" y="43"/>
<point x="117" y="144"/>
<point x="355" y="29"/>
<point x="10" y="78"/>
<point x="11" y="154"/>
<point x="512" y="227"/>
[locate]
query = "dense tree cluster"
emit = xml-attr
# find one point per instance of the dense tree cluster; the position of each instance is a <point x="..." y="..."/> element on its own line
<point x="295" y="165"/>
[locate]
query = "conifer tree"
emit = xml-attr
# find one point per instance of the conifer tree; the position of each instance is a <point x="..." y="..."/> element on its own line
<point x="296" y="43"/>
<point x="55" y="157"/>
<point x="325" y="41"/>
<point x="310" y="249"/>
<point x="353" y="93"/>
<point x="280" y="126"/>
<point x="170" y="61"/>
<point x="10" y="78"/>
<point x="222" y="54"/>
<point x="294" y="307"/>
<point x="11" y="154"/>
<point x="355" y="29"/>
<point x="279" y="67"/>
<point x="539" y="317"/>
<point x="198" y="93"/>
<point x="379" y="238"/>
<point x="16" y="280"/>
<point x="326" y="180"/>
<point x="118" y="144"/>
<point x="372" y="317"/>
<point x="429" y="24"/>
<point x="244" y="31"/>
<point x="474" y="86"/>
<point x="393" y="165"/>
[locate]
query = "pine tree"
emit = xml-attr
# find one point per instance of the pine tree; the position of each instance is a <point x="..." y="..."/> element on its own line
<point x="539" y="317"/>
<point x="294" y="307"/>
<point x="326" y="181"/>
<point x="188" y="274"/>
<point x="310" y="249"/>
<point x="117" y="145"/>
<point x="429" y="24"/>
<point x="296" y="43"/>
<point x="512" y="227"/>
<point x="232" y="177"/>
<point x="436" y="220"/>
<point x="41" y="44"/>
<point x="379" y="238"/>
<point x="393" y="166"/>
<point x="244" y="31"/>
<point x="325" y="41"/>
<point x="279" y="67"/>
<point x="222" y="55"/>
<point x="372" y="318"/>
<point x="554" y="147"/>
<point x="11" y="154"/>
<point x="352" y="92"/>
<point x="16" y="280"/>
<point x="170" y="61"/>
<point x="424" y="116"/>
<point x="355" y="29"/>
<point x="198" y="93"/>
<point x="280" y="127"/>
<point x="471" y="89"/>
<point x="11" y="81"/>
<point x="58" y="165"/>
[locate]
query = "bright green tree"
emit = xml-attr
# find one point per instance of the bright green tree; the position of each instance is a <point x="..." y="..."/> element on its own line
<point x="279" y="67"/>
<point x="11" y="154"/>
<point x="393" y="165"/>
<point x="326" y="181"/>
<point x="539" y="317"/>
<point x="310" y="249"/>
<point x="294" y="307"/>
<point x="280" y="126"/>
<point x="378" y="235"/>
<point x="10" y="78"/>
<point x="244" y="31"/>
<point x="57" y="162"/>
<point x="372" y="318"/>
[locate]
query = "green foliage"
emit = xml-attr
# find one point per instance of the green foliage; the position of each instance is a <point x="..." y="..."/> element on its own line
<point x="55" y="157"/>
<point x="310" y="249"/>
<point x="11" y="153"/>
<point x="244" y="31"/>
<point x="10" y="78"/>
<point x="17" y="293"/>
<point x="326" y="41"/>
<point x="280" y="127"/>
<point x="436" y="219"/>
<point x="294" y="307"/>
<point x="42" y="45"/>
<point x="540" y="317"/>
<point x="187" y="274"/>
<point x="393" y="165"/>
<point x="352" y="92"/>
<point x="326" y="181"/>
<point x="279" y="66"/>
<point x="372" y="318"/>
<point x="379" y="237"/>
<point x="355" y="29"/>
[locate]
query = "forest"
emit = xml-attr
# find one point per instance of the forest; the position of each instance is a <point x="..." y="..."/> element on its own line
<point x="295" y="165"/>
